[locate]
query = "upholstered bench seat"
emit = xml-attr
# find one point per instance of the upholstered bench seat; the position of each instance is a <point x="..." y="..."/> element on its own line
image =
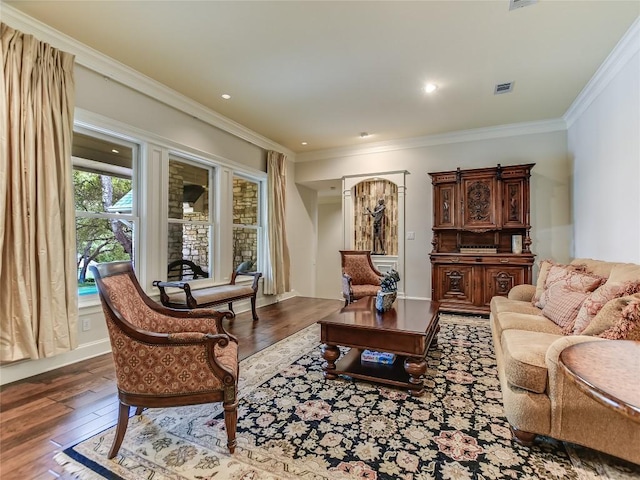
<point x="206" y="297"/>
<point x="213" y="295"/>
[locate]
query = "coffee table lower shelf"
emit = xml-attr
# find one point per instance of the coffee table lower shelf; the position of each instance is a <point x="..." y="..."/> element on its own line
<point x="393" y="374"/>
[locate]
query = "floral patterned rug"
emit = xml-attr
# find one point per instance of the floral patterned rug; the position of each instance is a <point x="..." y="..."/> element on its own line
<point x="294" y="424"/>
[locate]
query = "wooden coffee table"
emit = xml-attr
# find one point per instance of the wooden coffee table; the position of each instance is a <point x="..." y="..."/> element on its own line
<point x="607" y="371"/>
<point x="406" y="330"/>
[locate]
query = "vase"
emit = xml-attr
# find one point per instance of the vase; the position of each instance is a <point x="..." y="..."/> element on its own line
<point x="384" y="300"/>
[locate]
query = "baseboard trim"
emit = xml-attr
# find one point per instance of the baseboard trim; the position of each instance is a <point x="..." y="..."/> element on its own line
<point x="28" y="368"/>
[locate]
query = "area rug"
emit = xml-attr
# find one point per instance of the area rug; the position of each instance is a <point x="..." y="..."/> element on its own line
<point x="294" y="424"/>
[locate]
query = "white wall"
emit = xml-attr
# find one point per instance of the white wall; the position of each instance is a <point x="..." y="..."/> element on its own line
<point x="604" y="143"/>
<point x="328" y="276"/>
<point x="550" y="187"/>
<point x="302" y="225"/>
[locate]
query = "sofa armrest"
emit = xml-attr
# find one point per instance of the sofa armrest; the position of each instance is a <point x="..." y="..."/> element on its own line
<point x="552" y="360"/>
<point x="522" y="292"/>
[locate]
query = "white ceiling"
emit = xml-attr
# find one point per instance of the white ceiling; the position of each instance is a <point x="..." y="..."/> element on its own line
<point x="323" y="72"/>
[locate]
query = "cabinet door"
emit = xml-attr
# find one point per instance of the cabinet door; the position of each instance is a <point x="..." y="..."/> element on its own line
<point x="514" y="206"/>
<point x="445" y="203"/>
<point x="479" y="202"/>
<point x="454" y="284"/>
<point x="499" y="280"/>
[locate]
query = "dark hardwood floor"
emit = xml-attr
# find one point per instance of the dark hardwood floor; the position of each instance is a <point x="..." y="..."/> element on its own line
<point x="42" y="415"/>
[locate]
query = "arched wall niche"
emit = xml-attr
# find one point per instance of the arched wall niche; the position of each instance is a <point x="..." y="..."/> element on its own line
<point x="366" y="196"/>
<point x="362" y="191"/>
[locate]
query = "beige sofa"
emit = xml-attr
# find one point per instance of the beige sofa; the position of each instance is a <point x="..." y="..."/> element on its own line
<point x="537" y="397"/>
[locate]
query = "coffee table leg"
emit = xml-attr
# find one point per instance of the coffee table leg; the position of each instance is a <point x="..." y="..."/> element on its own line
<point x="416" y="368"/>
<point x="330" y="353"/>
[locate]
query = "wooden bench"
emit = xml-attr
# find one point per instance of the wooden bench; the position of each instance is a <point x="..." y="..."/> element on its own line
<point x="209" y="296"/>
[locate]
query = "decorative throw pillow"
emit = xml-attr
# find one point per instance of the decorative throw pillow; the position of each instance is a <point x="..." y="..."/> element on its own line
<point x="563" y="305"/>
<point x="628" y="327"/>
<point x="570" y="279"/>
<point x="598" y="298"/>
<point x="545" y="265"/>
<point x="609" y="315"/>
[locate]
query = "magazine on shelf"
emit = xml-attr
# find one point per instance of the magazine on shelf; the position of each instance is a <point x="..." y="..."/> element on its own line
<point x="371" y="356"/>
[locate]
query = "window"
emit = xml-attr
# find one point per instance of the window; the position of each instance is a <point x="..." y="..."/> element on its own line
<point x="246" y="222"/>
<point x="105" y="203"/>
<point x="190" y="220"/>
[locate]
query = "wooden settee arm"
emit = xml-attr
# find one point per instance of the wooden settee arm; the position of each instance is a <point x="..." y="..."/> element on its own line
<point x="164" y="297"/>
<point x="256" y="277"/>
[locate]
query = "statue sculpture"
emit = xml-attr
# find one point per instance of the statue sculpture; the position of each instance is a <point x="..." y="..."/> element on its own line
<point x="378" y="227"/>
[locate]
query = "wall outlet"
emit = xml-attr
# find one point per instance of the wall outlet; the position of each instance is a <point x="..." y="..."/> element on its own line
<point x="411" y="235"/>
<point x="86" y="324"/>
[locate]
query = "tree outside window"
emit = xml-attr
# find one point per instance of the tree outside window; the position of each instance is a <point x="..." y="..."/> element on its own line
<point x="104" y="202"/>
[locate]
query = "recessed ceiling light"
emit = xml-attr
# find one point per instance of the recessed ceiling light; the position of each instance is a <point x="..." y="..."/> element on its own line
<point x="113" y="150"/>
<point x="226" y="96"/>
<point x="304" y="143"/>
<point x="430" y="87"/>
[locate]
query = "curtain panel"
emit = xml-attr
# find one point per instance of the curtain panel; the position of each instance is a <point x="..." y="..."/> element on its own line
<point x="277" y="272"/>
<point x="38" y="280"/>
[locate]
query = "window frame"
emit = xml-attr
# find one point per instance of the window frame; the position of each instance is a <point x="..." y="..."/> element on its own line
<point x="260" y="225"/>
<point x="212" y="222"/>
<point x="98" y="167"/>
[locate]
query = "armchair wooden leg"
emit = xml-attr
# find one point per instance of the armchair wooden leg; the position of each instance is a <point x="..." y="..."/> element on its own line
<point x="123" y="421"/>
<point x="230" y="422"/>
<point x="231" y="307"/>
<point x="522" y="437"/>
<point x="253" y="309"/>
<point x="139" y="410"/>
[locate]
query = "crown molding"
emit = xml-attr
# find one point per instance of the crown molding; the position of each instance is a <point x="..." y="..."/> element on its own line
<point x="625" y="49"/>
<point x="485" y="133"/>
<point x="118" y="72"/>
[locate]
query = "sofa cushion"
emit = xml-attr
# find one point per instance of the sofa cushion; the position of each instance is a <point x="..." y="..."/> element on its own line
<point x="524" y="356"/>
<point x="562" y="306"/>
<point x="545" y="266"/>
<point x="609" y="315"/>
<point x="570" y="279"/>
<point x="597" y="267"/>
<point x="522" y="321"/>
<point x="599" y="298"/>
<point x="503" y="304"/>
<point x="628" y="327"/>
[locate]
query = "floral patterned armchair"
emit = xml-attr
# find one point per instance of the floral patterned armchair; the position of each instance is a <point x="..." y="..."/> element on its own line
<point x="359" y="277"/>
<point x="165" y="357"/>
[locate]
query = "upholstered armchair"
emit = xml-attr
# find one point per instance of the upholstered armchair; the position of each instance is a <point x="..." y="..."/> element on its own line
<point x="165" y="357"/>
<point x="359" y="277"/>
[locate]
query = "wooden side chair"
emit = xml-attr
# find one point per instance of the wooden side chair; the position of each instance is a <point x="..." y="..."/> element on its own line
<point x="165" y="357"/>
<point x="360" y="278"/>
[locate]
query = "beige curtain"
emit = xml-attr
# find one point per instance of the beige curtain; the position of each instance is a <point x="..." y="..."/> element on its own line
<point x="277" y="272"/>
<point x="38" y="286"/>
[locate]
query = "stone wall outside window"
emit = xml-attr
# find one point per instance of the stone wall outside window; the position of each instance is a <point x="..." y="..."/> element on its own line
<point x="245" y="212"/>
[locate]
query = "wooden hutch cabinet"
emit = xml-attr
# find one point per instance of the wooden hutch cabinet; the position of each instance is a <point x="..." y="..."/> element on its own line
<point x="476" y="214"/>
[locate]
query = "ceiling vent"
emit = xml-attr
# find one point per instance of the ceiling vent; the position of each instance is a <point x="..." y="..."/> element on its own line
<point x="503" y="88"/>
<point x="515" y="4"/>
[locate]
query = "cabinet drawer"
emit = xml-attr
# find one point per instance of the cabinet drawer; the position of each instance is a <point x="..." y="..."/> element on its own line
<point x="483" y="260"/>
